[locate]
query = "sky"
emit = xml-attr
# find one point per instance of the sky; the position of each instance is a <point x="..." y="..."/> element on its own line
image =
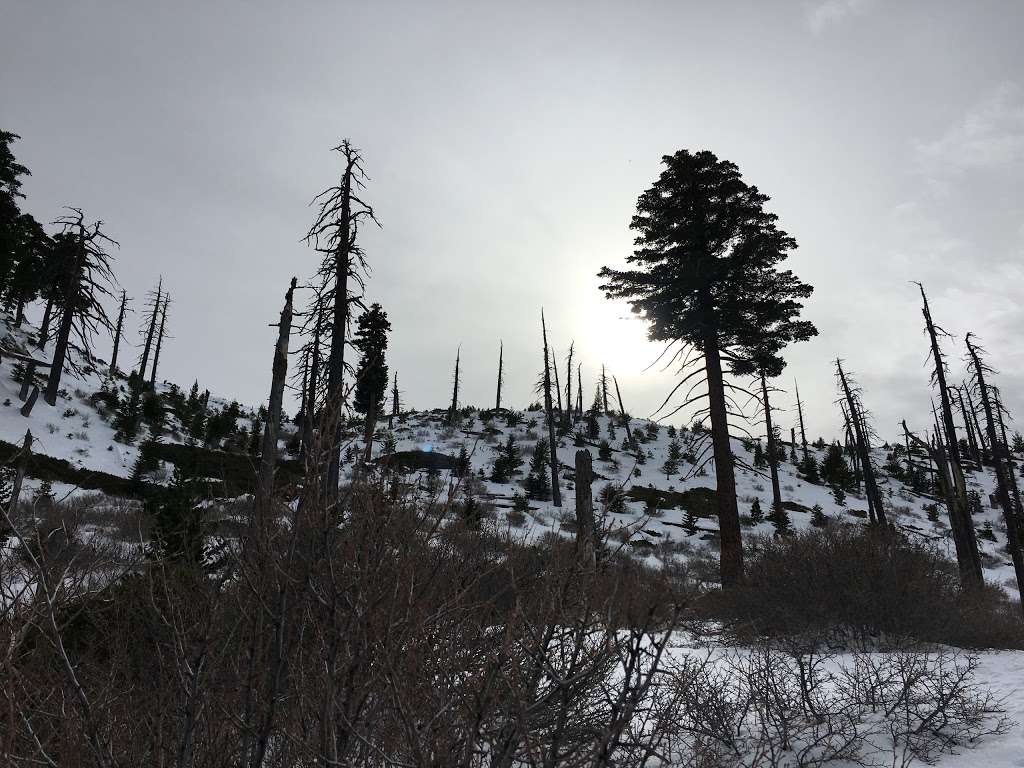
<point x="506" y="145"/>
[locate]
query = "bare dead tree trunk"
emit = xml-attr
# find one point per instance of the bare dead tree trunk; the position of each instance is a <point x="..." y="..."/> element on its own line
<point x="394" y="404"/>
<point x="501" y="362"/>
<point x="622" y="410"/>
<point x="1002" y="484"/>
<point x="972" y="442"/>
<point x="30" y="402"/>
<point x="314" y="382"/>
<point x="67" y="319"/>
<point x="604" y="389"/>
<point x="863" y="448"/>
<point x="579" y="392"/>
<point x="453" y="409"/>
<point x="773" y="451"/>
<point x="279" y="373"/>
<point x="117" y="332"/>
<point x="44" y="327"/>
<point x="964" y="537"/>
<point x="567" y="416"/>
<point x="159" y="340"/>
<point x="19" y="476"/>
<point x="556" y="491"/>
<point x="151" y="332"/>
<point x="800" y="414"/>
<point x="850" y="448"/>
<point x="983" y="443"/>
<point x="585" y="525"/>
<point x="1011" y="476"/>
<point x="731" y="558"/>
<point x="558" y="386"/>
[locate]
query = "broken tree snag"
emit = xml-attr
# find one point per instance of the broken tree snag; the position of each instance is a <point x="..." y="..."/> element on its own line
<point x="567" y="416"/>
<point x="622" y="410"/>
<point x="19" y="477"/>
<point x="159" y="340"/>
<point x="117" y="332"/>
<point x="604" y="389"/>
<point x="556" y="492"/>
<point x="557" y="385"/>
<point x="863" y="447"/>
<point x="800" y="413"/>
<point x="26" y="409"/>
<point x="30" y="372"/>
<point x="268" y="455"/>
<point x="501" y="361"/>
<point x="585" y="526"/>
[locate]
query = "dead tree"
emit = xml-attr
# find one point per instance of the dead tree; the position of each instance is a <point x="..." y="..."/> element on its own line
<point x="86" y="283"/>
<point x="1010" y="517"/>
<point x="152" y="316"/>
<point x="863" y="445"/>
<point x="569" y="405"/>
<point x="160" y="336"/>
<point x="334" y="234"/>
<point x="972" y="441"/>
<point x="579" y="392"/>
<point x="556" y="492"/>
<point x="622" y="410"/>
<point x="279" y="373"/>
<point x="453" y="409"/>
<point x="586" y="533"/>
<point x="501" y="363"/>
<point x="984" y="449"/>
<point x="394" y="403"/>
<point x="604" y="389"/>
<point x="800" y="413"/>
<point x="558" y="386"/>
<point x="22" y="467"/>
<point x="773" y="450"/>
<point x="956" y="496"/>
<point x="117" y="331"/>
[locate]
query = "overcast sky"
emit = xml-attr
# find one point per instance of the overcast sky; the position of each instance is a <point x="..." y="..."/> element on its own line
<point x="507" y="144"/>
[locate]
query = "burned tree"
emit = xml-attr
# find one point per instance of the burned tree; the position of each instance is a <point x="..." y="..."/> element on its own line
<point x="556" y="492"/>
<point x="87" y="283"/>
<point x="117" y="331"/>
<point x="395" y="403"/>
<point x="501" y="362"/>
<point x="160" y="336"/>
<point x="800" y="414"/>
<point x="951" y="473"/>
<point x="704" y="241"/>
<point x="972" y="442"/>
<point x="979" y="370"/>
<point x="151" y="317"/>
<point x="862" y="438"/>
<point x="622" y="410"/>
<point x="334" y="234"/>
<point x="569" y="405"/>
<point x="279" y="373"/>
<point x="604" y="390"/>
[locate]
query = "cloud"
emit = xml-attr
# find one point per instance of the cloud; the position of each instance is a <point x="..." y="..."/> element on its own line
<point x="989" y="136"/>
<point x="826" y="13"/>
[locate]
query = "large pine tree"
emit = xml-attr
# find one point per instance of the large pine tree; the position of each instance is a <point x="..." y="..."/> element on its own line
<point x="705" y="249"/>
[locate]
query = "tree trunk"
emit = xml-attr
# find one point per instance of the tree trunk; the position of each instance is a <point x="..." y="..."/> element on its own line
<point x="150" y="334"/>
<point x="969" y="428"/>
<point x="622" y="410"/>
<point x="864" y="449"/>
<point x="1002" y="485"/>
<point x="1011" y="476"/>
<point x="19" y="314"/>
<point x="585" y="526"/>
<point x="728" y="513"/>
<point x="455" y="391"/>
<point x="604" y="389"/>
<point x="67" y="319"/>
<point x="579" y="392"/>
<point x="556" y="491"/>
<point x="44" y="327"/>
<point x="501" y="362"/>
<point x="19" y="477"/>
<point x="159" y="342"/>
<point x="558" y="386"/>
<point x="314" y="381"/>
<point x="279" y="372"/>
<point x="117" y="332"/>
<point x="567" y="416"/>
<point x="773" y="458"/>
<point x="983" y="447"/>
<point x="394" y="404"/>
<point x="800" y="413"/>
